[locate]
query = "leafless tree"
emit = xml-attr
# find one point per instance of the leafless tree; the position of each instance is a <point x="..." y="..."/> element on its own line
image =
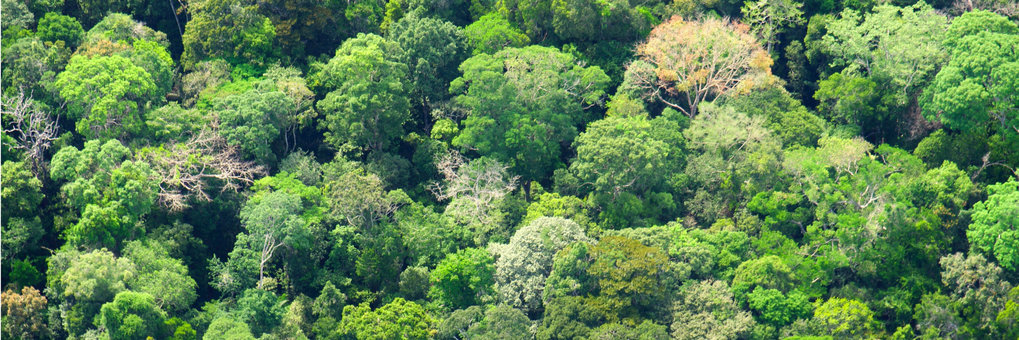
<point x="360" y="199"/>
<point x="187" y="170"/>
<point x="268" y="247"/>
<point x="1008" y="8"/>
<point x="476" y="185"/>
<point x="33" y="129"/>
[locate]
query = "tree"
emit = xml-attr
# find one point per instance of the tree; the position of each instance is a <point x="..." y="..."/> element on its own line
<point x="770" y="18"/>
<point x="79" y="283"/>
<point x="118" y="31"/>
<point x="164" y="278"/>
<point x="428" y="235"/>
<point x="854" y="100"/>
<point x="935" y="316"/>
<point x="21" y="198"/>
<point x="400" y="319"/>
<point x="731" y="149"/>
<point x="568" y="317"/>
<point x="768" y="272"/>
<point x="24" y="314"/>
<point x="776" y="308"/>
<point x="365" y="111"/>
<point x="977" y="85"/>
<point x="432" y="51"/>
<point x="850" y="193"/>
<point x="846" y="318"/>
<point x="227" y="328"/>
<point x="456" y="325"/>
<point x="977" y="290"/>
<point x="119" y="34"/>
<point x="253" y="119"/>
<point x="476" y="191"/>
<point x="621" y="277"/>
<point x="206" y="75"/>
<point x="111" y="192"/>
<point x="289" y="81"/>
<point x="501" y="322"/>
<point x="32" y="65"/>
<point x="105" y="96"/>
<point x="995" y="220"/>
<point x="522" y="266"/>
<point x="328" y="309"/>
<point x="568" y="207"/>
<point x="271" y="221"/>
<point x="96" y="276"/>
<point x="261" y="310"/>
<point x="17" y="15"/>
<point x="31" y="126"/>
<point x="56" y="27"/>
<point x="646" y="330"/>
<point x="365" y="15"/>
<point x="523" y="104"/>
<point x="229" y="30"/>
<point x="189" y="170"/>
<point x="785" y="116"/>
<point x="534" y="17"/>
<point x="414" y="282"/>
<point x="360" y="200"/>
<point x="491" y="33"/>
<point x="629" y="154"/>
<point x="705" y="309"/>
<point x="463" y="278"/>
<point x="686" y="62"/>
<point x="589" y="21"/>
<point x="897" y="47"/>
<point x="132" y="315"/>
<point x="300" y="25"/>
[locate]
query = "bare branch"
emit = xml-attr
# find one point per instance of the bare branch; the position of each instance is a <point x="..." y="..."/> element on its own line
<point x="478" y="185"/>
<point x="188" y="169"/>
<point x="33" y="129"/>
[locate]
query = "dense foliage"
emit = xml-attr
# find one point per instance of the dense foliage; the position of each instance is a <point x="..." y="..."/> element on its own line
<point x="510" y="169"/>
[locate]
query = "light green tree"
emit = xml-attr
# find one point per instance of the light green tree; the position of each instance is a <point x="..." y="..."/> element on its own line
<point x="365" y="111"/>
<point x="977" y="87"/>
<point x="463" y="278"/>
<point x="525" y="102"/>
<point x="995" y="220"/>
<point x="492" y="32"/>
<point x="106" y="96"/>
<point x="110" y="191"/>
<point x="132" y="315"/>
<point x="768" y="19"/>
<point x="164" y="278"/>
<point x="846" y="318"/>
<point x="400" y="319"/>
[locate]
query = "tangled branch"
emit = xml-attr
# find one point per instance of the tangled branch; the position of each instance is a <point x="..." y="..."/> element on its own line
<point x="188" y="169"/>
<point x="32" y="128"/>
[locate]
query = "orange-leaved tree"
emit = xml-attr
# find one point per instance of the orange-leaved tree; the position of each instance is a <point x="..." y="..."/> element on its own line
<point x="683" y="62"/>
